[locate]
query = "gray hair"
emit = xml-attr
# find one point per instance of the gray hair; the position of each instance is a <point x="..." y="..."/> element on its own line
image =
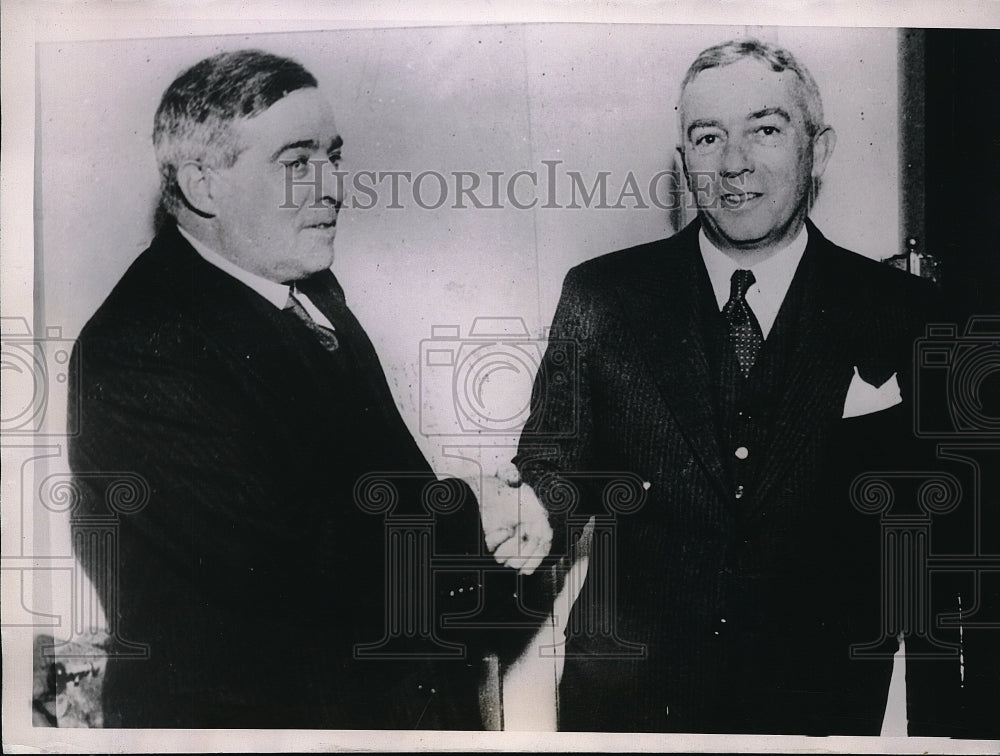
<point x="777" y="58"/>
<point x="195" y="117"/>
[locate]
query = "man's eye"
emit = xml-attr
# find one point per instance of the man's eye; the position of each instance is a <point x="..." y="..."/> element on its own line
<point x="768" y="134"/>
<point x="298" y="166"/>
<point x="708" y="142"/>
<point x="334" y="157"/>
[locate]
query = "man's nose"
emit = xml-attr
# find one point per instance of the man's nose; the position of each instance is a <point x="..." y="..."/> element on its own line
<point x="736" y="157"/>
<point x="332" y="191"/>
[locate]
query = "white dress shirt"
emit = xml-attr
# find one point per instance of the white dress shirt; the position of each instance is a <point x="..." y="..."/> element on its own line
<point x="275" y="293"/>
<point x="773" y="276"/>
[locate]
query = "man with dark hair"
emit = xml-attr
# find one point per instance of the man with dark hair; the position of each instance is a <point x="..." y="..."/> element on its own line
<point x="226" y="372"/>
<point x="742" y="371"/>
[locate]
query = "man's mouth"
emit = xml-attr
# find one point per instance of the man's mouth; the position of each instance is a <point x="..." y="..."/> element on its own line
<point x="738" y="199"/>
<point x="324" y="224"/>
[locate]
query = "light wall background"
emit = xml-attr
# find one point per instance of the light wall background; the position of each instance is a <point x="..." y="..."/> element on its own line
<point x="480" y="98"/>
<point x="468" y="98"/>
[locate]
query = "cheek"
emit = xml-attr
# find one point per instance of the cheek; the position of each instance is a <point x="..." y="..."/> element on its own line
<point x="703" y="177"/>
<point x="701" y="164"/>
<point x="787" y="170"/>
<point x="258" y="227"/>
<point x="801" y="164"/>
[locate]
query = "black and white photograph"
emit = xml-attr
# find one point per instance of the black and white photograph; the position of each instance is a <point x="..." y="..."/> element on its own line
<point x="577" y="377"/>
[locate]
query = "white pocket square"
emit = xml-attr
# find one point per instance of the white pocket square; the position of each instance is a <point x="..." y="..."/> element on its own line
<point x="864" y="399"/>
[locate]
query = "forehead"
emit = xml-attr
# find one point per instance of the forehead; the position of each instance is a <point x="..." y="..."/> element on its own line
<point x="303" y="115"/>
<point x="735" y="91"/>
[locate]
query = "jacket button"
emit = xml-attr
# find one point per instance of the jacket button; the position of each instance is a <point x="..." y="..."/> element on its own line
<point x="739" y="491"/>
<point x="742" y="452"/>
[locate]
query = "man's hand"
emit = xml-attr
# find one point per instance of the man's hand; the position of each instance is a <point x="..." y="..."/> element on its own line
<point x="515" y="525"/>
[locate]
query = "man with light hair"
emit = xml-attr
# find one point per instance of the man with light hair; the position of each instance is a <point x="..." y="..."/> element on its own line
<point x="744" y="369"/>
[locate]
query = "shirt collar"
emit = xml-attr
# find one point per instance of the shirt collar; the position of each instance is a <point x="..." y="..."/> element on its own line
<point x="275" y="293"/>
<point x="773" y="275"/>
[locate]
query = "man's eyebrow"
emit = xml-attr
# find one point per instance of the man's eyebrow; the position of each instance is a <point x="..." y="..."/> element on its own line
<point x="303" y="144"/>
<point x="781" y="112"/>
<point x="308" y="144"/>
<point x="702" y="123"/>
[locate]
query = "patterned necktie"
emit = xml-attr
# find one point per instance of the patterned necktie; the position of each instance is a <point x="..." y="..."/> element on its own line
<point x="356" y="350"/>
<point x="744" y="330"/>
<point x="326" y="336"/>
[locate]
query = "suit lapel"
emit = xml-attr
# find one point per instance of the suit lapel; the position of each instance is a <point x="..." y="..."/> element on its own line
<point x="820" y="369"/>
<point x="243" y="325"/>
<point x="662" y="303"/>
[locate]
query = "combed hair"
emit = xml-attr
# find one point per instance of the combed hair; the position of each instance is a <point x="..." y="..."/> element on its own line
<point x="777" y="58"/>
<point x="194" y="121"/>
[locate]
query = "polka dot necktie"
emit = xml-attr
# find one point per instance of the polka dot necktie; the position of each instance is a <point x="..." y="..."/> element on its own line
<point x="744" y="330"/>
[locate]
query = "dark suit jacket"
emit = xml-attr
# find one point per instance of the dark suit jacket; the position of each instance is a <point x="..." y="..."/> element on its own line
<point x="244" y="564"/>
<point x="702" y="611"/>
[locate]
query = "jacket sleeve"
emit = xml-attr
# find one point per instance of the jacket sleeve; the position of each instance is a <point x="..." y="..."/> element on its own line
<point x="557" y="446"/>
<point x="211" y="502"/>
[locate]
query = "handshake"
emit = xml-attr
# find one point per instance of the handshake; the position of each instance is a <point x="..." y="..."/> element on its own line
<point x="515" y="524"/>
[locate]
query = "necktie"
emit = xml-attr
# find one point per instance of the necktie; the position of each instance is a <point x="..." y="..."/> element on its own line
<point x="325" y="335"/>
<point x="744" y="330"/>
<point x="356" y="350"/>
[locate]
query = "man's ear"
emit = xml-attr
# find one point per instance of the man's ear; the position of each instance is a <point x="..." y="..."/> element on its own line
<point x="196" y="183"/>
<point x="823" y="144"/>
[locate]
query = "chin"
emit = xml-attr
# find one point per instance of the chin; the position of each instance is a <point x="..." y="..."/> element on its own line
<point x="742" y="233"/>
<point x="319" y="258"/>
<point x="303" y="268"/>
